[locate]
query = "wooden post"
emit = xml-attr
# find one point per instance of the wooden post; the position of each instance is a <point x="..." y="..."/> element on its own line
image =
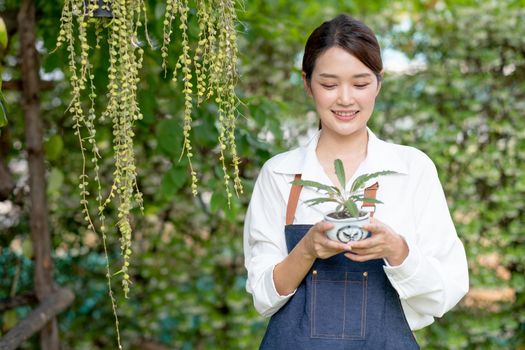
<point x="44" y="285"/>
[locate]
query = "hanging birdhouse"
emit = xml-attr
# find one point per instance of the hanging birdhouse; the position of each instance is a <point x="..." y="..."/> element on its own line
<point x="98" y="8"/>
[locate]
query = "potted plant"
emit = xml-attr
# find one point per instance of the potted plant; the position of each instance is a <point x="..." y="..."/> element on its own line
<point x="348" y="218"/>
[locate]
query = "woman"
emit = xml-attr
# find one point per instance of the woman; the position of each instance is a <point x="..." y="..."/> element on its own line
<point x="369" y="294"/>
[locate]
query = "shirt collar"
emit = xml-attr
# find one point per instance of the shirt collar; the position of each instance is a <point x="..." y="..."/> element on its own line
<point x="303" y="160"/>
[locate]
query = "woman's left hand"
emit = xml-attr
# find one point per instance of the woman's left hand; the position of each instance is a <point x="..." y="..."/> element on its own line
<point x="384" y="243"/>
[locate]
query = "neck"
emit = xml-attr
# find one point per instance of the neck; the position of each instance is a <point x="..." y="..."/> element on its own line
<point x="351" y="147"/>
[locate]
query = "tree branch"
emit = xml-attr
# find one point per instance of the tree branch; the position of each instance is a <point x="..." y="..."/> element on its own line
<point x="17" y="85"/>
<point x="17" y="300"/>
<point x="54" y="304"/>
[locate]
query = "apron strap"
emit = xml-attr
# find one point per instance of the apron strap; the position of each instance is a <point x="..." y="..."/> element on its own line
<point x="370" y="192"/>
<point x="295" y="191"/>
<point x="292" y="200"/>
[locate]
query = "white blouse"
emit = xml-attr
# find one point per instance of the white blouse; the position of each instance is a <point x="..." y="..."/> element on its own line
<point x="433" y="277"/>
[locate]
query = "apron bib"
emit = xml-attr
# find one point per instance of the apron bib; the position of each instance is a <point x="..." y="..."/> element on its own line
<point x="340" y="304"/>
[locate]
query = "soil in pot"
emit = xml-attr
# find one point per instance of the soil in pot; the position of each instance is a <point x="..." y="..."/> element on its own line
<point x="338" y="215"/>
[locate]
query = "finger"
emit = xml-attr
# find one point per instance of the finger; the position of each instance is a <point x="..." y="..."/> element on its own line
<point x="323" y="226"/>
<point x="377" y="251"/>
<point x="375" y="227"/>
<point x="330" y="244"/>
<point x="361" y="258"/>
<point x="374" y="220"/>
<point x="365" y="243"/>
<point x="318" y="230"/>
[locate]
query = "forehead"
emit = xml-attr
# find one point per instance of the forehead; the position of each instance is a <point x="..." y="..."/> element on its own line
<point x="336" y="62"/>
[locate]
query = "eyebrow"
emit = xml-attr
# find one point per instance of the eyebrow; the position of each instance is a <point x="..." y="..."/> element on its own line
<point x="361" y="75"/>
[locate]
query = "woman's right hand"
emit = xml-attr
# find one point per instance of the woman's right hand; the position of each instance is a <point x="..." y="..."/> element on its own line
<point x="288" y="274"/>
<point x="316" y="243"/>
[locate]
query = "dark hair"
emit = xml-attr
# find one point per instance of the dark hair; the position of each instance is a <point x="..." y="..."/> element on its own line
<point x="351" y="35"/>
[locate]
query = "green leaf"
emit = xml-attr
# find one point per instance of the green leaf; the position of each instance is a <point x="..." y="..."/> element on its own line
<point x="53" y="147"/>
<point x="361" y="180"/>
<point x="3" y="110"/>
<point x="313" y="184"/>
<point x="55" y="181"/>
<point x="351" y="208"/>
<point x="206" y="134"/>
<point x="340" y="172"/>
<point x="9" y="319"/>
<point x="172" y="181"/>
<point x="27" y="248"/>
<point x="169" y="136"/>
<point x="218" y="201"/>
<point x="3" y="34"/>
<point x="315" y="201"/>
<point x="230" y="213"/>
<point x="148" y="104"/>
<point x="368" y="199"/>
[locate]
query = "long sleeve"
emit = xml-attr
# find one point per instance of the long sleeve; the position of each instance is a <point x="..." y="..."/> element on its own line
<point x="434" y="276"/>
<point x="264" y="242"/>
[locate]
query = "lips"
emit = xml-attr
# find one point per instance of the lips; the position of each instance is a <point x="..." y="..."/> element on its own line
<point x="345" y="115"/>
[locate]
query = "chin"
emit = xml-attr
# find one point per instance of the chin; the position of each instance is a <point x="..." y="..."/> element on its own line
<point x="343" y="132"/>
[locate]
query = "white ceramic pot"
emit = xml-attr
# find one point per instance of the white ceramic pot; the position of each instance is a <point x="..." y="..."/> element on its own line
<point x="347" y="230"/>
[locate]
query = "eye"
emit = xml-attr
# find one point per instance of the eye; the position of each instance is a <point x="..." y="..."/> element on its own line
<point x="361" y="86"/>
<point x="328" y="86"/>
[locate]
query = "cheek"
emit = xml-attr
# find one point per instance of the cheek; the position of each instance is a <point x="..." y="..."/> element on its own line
<point x="367" y="97"/>
<point x="324" y="97"/>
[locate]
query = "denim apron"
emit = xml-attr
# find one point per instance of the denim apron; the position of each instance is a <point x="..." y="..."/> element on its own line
<point x="340" y="304"/>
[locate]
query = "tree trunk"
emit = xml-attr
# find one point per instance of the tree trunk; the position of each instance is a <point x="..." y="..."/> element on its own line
<point x="44" y="285"/>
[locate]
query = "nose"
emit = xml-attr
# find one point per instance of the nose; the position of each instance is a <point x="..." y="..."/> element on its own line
<point x="345" y="97"/>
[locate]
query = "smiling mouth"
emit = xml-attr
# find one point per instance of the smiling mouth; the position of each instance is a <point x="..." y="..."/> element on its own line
<point x="345" y="115"/>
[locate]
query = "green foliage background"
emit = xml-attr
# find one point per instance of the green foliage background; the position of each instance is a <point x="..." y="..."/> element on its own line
<point x="464" y="106"/>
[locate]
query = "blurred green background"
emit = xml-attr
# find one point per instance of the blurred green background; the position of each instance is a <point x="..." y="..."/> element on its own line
<point x="454" y="87"/>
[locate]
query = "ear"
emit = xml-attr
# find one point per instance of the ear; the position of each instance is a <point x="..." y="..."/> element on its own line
<point x="306" y="84"/>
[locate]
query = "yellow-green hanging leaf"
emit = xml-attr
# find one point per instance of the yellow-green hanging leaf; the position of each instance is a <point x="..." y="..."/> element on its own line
<point x="3" y="114"/>
<point x="3" y="34"/>
<point x="27" y="248"/>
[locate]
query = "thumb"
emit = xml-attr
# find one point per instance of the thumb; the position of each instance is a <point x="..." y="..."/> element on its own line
<point x="324" y="226"/>
<point x="374" y="220"/>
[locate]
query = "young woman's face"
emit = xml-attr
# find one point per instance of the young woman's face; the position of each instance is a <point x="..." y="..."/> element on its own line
<point x="344" y="91"/>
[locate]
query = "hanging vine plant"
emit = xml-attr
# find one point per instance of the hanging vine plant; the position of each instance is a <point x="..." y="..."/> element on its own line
<point x="213" y="65"/>
<point x="206" y="69"/>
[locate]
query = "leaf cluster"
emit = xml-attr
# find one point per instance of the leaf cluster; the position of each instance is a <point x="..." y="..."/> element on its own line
<point x="347" y="200"/>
